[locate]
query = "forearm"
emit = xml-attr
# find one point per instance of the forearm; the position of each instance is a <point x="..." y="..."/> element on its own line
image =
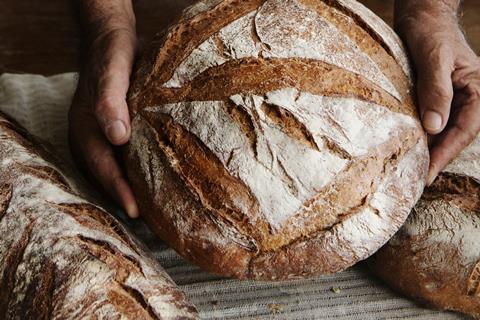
<point x="413" y="11"/>
<point x="99" y="17"/>
<point x="109" y="37"/>
<point x="409" y="7"/>
<point x="417" y="20"/>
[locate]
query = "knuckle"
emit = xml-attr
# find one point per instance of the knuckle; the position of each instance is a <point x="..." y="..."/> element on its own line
<point x="105" y="106"/>
<point x="473" y="91"/>
<point x="469" y="133"/>
<point x="470" y="87"/>
<point x="442" y="93"/>
<point x="438" y="52"/>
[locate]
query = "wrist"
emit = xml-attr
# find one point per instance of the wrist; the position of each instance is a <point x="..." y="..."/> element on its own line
<point x="415" y="13"/>
<point x="109" y="34"/>
<point x="417" y="21"/>
<point x="100" y="18"/>
<point x="433" y="7"/>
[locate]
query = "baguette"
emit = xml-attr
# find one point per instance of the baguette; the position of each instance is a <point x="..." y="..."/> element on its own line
<point x="63" y="257"/>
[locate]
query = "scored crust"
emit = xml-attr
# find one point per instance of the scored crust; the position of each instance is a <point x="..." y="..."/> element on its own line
<point x="435" y="257"/>
<point x="257" y="157"/>
<point x="64" y="257"/>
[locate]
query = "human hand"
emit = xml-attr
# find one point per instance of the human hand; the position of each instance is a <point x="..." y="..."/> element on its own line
<point x="448" y="76"/>
<point x="98" y="117"/>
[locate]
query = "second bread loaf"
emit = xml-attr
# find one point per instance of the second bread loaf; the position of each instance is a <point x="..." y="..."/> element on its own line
<point x="62" y="257"/>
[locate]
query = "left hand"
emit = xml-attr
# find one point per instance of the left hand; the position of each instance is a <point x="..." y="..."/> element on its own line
<point x="448" y="80"/>
<point x="98" y="116"/>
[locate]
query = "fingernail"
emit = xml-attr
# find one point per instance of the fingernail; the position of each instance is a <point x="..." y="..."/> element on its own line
<point x="432" y="120"/>
<point x="431" y="176"/>
<point x="116" y="130"/>
<point x="431" y="179"/>
<point x="132" y="210"/>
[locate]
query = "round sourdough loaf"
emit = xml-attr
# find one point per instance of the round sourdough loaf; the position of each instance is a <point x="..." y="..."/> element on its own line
<point x="275" y="139"/>
<point x="435" y="257"/>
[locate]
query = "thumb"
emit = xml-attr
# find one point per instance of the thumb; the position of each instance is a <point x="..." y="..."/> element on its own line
<point x="434" y="91"/>
<point x="110" y="107"/>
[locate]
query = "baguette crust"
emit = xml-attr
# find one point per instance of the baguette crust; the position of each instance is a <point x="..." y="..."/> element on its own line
<point x="61" y="257"/>
<point x="435" y="257"/>
<point x="274" y="148"/>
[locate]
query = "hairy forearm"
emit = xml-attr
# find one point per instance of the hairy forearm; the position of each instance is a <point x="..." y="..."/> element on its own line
<point x="100" y="16"/>
<point x="407" y="10"/>
<point x="419" y="16"/>
<point x="407" y="7"/>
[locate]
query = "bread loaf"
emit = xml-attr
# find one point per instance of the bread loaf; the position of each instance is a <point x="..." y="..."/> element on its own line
<point x="275" y="139"/>
<point x="62" y="257"/>
<point x="435" y="257"/>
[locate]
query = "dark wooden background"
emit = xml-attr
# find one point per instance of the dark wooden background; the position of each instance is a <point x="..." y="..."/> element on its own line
<point x="43" y="36"/>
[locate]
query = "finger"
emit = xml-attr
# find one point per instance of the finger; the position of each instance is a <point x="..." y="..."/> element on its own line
<point x="104" y="167"/>
<point x="110" y="108"/>
<point x="101" y="163"/>
<point x="435" y="90"/>
<point x="449" y="144"/>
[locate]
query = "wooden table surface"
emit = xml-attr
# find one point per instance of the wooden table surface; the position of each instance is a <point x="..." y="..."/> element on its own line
<point x="43" y="36"/>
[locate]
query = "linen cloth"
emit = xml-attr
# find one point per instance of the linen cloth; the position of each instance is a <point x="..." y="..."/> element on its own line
<point x="41" y="105"/>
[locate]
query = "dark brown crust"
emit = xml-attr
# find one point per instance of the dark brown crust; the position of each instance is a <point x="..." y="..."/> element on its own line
<point x="41" y="291"/>
<point x="5" y="197"/>
<point x="127" y="304"/>
<point x="245" y="121"/>
<point x="128" y="300"/>
<point x="453" y="286"/>
<point x="96" y="219"/>
<point x="459" y="190"/>
<point x="180" y="171"/>
<point x="48" y="174"/>
<point x="289" y="124"/>
<point x="473" y="283"/>
<point x="10" y="265"/>
<point x="157" y="66"/>
<point x="197" y="219"/>
<point x="44" y="286"/>
<point x="206" y="176"/>
<point x="368" y="41"/>
<point x="283" y="248"/>
<point x="214" y="188"/>
<point x="183" y="37"/>
<point x="112" y="257"/>
<point x="359" y="24"/>
<point x="259" y="76"/>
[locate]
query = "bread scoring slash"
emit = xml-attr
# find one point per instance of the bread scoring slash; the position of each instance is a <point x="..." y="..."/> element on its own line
<point x="275" y="139"/>
<point x="61" y="256"/>
<point x="435" y="257"/>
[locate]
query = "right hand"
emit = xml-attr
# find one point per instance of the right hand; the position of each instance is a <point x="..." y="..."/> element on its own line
<point x="98" y="117"/>
<point x="448" y="77"/>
